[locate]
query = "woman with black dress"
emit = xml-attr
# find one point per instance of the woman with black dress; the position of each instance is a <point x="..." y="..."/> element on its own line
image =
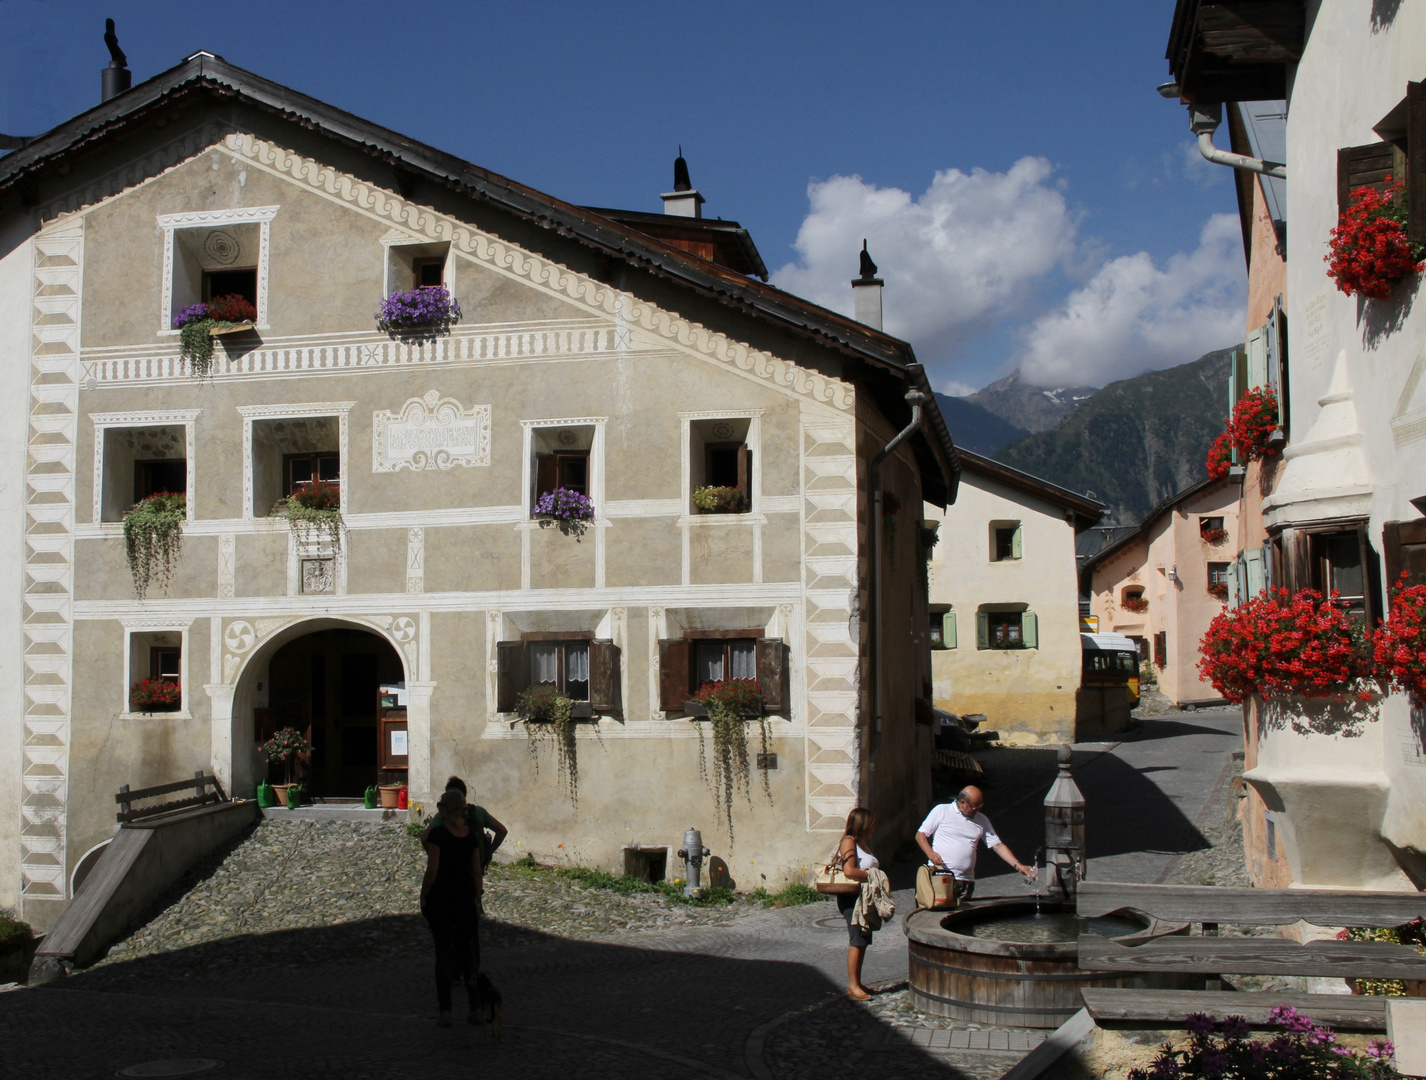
<point x="450" y="900"/>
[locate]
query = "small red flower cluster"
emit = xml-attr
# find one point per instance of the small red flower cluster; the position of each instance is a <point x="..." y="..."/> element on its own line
<point x="1400" y="642"/>
<point x="735" y="695"/>
<point x="1213" y="536"/>
<point x="318" y="495"/>
<point x="155" y="695"/>
<point x="231" y="308"/>
<point x="1288" y="643"/>
<point x="1218" y="590"/>
<point x="1254" y="419"/>
<point x="1369" y="248"/>
<point x="1135" y="604"/>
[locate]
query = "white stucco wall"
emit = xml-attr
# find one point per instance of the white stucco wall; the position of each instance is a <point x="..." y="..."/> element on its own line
<point x="1358" y="398"/>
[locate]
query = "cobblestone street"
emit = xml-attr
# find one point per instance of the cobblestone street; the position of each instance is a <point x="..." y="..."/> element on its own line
<point x="300" y="952"/>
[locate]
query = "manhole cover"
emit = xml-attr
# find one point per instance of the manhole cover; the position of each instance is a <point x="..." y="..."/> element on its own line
<point x="171" y="1067"/>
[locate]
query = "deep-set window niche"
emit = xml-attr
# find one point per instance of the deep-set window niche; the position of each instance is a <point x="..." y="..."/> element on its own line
<point x="212" y="253"/>
<point x="140" y="454"/>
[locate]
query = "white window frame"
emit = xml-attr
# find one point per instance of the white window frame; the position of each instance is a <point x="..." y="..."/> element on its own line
<point x="294" y="411"/>
<point x="261" y="216"/>
<point x="596" y="462"/>
<point x="158" y="418"/>
<point x="157" y="626"/>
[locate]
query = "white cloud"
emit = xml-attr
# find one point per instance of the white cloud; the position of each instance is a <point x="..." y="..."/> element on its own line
<point x="956" y="259"/>
<point x="1133" y="317"/>
<point x="956" y="388"/>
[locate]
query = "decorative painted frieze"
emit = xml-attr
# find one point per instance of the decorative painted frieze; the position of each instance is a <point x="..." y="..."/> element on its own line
<point x="430" y="432"/>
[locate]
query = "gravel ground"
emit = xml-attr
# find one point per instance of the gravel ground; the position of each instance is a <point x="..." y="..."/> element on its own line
<point x="288" y="875"/>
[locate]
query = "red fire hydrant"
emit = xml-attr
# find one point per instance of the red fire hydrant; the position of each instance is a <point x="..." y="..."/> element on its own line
<point x="401" y="798"/>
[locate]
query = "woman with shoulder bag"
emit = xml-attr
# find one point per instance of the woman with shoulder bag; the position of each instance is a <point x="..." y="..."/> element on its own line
<point x="854" y="861"/>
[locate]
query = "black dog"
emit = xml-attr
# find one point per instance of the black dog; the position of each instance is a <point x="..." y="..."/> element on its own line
<point x="488" y="1009"/>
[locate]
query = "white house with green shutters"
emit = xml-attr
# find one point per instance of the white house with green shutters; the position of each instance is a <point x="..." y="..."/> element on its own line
<point x="1005" y="600"/>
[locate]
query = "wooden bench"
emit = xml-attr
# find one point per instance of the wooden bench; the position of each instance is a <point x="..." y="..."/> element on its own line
<point x="200" y="785"/>
<point x="1212" y="955"/>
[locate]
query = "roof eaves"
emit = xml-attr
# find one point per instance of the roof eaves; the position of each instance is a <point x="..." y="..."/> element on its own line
<point x="1081" y="505"/>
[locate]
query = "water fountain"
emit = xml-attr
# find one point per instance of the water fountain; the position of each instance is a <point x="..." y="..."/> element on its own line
<point x="1014" y="961"/>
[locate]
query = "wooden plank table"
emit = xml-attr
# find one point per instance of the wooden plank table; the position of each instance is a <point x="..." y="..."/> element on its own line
<point x="1344" y="1012"/>
<point x="1254" y="956"/>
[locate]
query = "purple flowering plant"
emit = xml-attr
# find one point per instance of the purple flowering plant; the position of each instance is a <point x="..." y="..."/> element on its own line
<point x="566" y="509"/>
<point x="1302" y="1050"/>
<point x="429" y="308"/>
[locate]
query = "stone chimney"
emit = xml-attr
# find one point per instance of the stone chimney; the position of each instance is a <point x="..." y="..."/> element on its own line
<point x="867" y="291"/>
<point x="683" y="200"/>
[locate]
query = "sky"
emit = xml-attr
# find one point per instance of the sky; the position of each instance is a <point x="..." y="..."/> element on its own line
<point x="1030" y="201"/>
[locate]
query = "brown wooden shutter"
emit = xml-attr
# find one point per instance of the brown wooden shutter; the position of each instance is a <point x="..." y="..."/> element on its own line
<point x="1404" y="548"/>
<point x="264" y="724"/>
<point x="510" y="676"/>
<point x="772" y="674"/>
<point x="1367" y="166"/>
<point x="745" y="473"/>
<point x="604" y="696"/>
<point x="546" y="473"/>
<point x="1297" y="547"/>
<point x="1416" y="161"/>
<point x="673" y="674"/>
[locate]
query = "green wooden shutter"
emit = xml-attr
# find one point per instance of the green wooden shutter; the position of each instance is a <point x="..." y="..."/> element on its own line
<point x="1015" y="548"/>
<point x="1237" y="385"/>
<point x="1253" y="567"/>
<point x="1257" y="350"/>
<point x="1235" y="594"/>
<point x="948" y="630"/>
<point x="982" y="630"/>
<point x="1030" y="630"/>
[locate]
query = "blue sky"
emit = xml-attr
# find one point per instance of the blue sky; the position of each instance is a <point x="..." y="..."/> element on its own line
<point x="1030" y="199"/>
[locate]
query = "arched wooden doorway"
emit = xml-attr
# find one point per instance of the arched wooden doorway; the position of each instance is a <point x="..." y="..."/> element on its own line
<point x="345" y="688"/>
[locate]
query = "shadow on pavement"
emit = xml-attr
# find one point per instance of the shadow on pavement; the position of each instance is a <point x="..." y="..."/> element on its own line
<point x="1170" y="729"/>
<point x="356" y="1000"/>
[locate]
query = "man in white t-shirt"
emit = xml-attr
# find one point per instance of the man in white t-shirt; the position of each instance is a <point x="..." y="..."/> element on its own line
<point x="951" y="834"/>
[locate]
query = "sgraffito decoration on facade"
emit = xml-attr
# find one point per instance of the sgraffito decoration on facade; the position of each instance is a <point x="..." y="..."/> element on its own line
<point x="430" y="432"/>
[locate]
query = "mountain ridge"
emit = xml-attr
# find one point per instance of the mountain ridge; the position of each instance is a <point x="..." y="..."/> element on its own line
<point x="1135" y="442"/>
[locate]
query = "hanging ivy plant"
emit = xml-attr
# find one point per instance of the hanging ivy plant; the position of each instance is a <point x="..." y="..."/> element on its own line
<point x="315" y="508"/>
<point x="153" y="535"/>
<point x="730" y="704"/>
<point x="549" y="715"/>
<point x="197" y="323"/>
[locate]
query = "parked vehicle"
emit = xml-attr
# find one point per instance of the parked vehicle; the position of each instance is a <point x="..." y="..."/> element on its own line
<point x="1110" y="660"/>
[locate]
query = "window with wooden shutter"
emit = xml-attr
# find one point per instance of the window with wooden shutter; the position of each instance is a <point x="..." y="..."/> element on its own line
<point x="720" y="457"/>
<point x="1256" y="348"/>
<point x="510" y="677"/>
<point x="1234" y="582"/>
<point x="772" y="675"/>
<point x="1253" y="566"/>
<point x="604" y="682"/>
<point x="1029" y="630"/>
<point x="674" y="666"/>
<point x="1367" y="167"/>
<point x="1278" y="365"/>
<point x="982" y="629"/>
<point x="948" y="630"/>
<point x="1161" y="648"/>
<point x="1404" y="548"/>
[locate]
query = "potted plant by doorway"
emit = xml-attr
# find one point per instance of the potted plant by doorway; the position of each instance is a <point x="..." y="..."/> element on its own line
<point x="286" y="747"/>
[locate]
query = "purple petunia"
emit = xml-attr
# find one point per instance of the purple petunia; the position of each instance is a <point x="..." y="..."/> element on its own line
<point x="417" y="309"/>
<point x="566" y="508"/>
<point x="192" y="313"/>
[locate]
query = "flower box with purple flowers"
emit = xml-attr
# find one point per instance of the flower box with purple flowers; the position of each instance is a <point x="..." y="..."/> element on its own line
<point x="566" y="509"/>
<point x="429" y="308"/>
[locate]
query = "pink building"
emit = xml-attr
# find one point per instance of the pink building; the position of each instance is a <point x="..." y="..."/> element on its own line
<point x="1162" y="584"/>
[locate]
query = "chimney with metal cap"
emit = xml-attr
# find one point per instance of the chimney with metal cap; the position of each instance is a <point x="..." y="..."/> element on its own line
<point x="683" y="200"/>
<point x="116" y="78"/>
<point x="867" y="291"/>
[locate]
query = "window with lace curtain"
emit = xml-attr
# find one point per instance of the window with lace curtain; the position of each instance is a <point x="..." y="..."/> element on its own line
<point x="715" y="661"/>
<point x="563" y="664"/>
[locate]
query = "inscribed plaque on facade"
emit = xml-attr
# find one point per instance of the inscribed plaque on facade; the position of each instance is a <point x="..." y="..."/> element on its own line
<point x="430" y="432"/>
